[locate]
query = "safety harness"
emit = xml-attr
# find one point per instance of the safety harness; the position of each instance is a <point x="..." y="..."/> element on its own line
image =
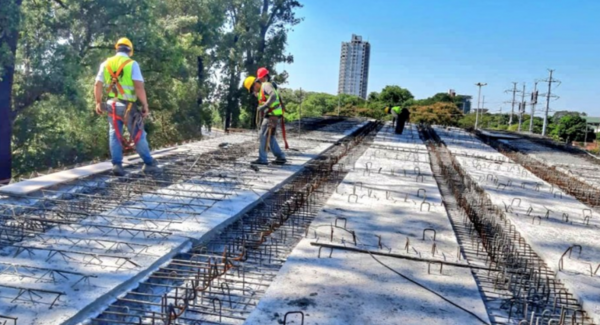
<point x="263" y="99"/>
<point x="116" y="89"/>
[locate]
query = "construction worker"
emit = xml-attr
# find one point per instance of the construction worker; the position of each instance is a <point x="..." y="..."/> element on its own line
<point x="401" y="116"/>
<point x="270" y="109"/>
<point x="122" y="78"/>
<point x="264" y="76"/>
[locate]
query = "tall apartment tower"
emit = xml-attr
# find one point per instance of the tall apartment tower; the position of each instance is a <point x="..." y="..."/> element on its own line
<point x="354" y="67"/>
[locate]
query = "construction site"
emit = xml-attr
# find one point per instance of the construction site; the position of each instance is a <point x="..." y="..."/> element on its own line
<point x="362" y="226"/>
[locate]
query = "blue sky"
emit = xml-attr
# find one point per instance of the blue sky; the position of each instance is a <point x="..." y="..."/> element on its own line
<point x="432" y="46"/>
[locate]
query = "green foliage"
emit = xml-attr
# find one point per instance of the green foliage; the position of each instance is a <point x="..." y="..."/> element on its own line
<point x="440" y="113"/>
<point x="573" y="128"/>
<point x="560" y="114"/>
<point x="181" y="45"/>
<point x="394" y="96"/>
<point x="9" y="24"/>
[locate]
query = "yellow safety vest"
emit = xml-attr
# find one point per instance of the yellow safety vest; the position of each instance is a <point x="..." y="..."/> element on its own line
<point x="396" y="109"/>
<point x="275" y="108"/>
<point x="117" y="75"/>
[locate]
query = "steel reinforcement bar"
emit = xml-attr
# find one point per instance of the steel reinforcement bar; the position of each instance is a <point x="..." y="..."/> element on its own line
<point x="582" y="191"/>
<point x="221" y="281"/>
<point x="526" y="288"/>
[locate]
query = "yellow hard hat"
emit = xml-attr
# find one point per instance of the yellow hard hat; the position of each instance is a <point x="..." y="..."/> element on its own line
<point x="124" y="41"/>
<point x="387" y="110"/>
<point x="249" y="82"/>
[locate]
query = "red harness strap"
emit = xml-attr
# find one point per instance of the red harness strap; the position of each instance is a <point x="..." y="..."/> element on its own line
<point x="133" y="139"/>
<point x="115" y="87"/>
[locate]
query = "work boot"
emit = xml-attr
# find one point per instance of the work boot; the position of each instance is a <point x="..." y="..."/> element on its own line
<point x="280" y="161"/>
<point x="259" y="162"/>
<point x="118" y="170"/>
<point x="151" y="168"/>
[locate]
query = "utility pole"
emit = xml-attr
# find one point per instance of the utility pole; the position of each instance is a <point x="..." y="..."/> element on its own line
<point x="479" y="84"/>
<point x="482" y="103"/>
<point x="534" y="98"/>
<point x="300" y="112"/>
<point x="548" y="96"/>
<point x="512" y="110"/>
<point x="521" y="108"/>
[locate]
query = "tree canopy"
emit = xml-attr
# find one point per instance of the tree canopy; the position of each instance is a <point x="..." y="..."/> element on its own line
<point x="573" y="127"/>
<point x="192" y="53"/>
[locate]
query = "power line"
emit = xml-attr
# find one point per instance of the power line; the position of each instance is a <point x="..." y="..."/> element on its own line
<point x="512" y="110"/>
<point x="549" y="95"/>
<point x="521" y="108"/>
<point x="534" y="99"/>
<point x="479" y="84"/>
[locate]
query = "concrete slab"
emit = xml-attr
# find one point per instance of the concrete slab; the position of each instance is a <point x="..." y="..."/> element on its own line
<point x="549" y="237"/>
<point x="38" y="183"/>
<point x="352" y="288"/>
<point x="81" y="301"/>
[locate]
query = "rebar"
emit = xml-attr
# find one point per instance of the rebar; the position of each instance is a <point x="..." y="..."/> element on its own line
<point x="220" y="281"/>
<point x="525" y="286"/>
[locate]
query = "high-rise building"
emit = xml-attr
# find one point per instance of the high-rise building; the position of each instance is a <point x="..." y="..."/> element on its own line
<point x="354" y="67"/>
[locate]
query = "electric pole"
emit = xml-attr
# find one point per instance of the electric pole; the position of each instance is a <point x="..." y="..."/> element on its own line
<point x="479" y="84"/>
<point x="548" y="96"/>
<point x="300" y="112"/>
<point x="534" y="98"/>
<point x="521" y="108"/>
<point x="482" y="103"/>
<point x="512" y="109"/>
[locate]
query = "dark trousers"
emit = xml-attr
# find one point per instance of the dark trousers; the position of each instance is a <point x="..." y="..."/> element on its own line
<point x="400" y="125"/>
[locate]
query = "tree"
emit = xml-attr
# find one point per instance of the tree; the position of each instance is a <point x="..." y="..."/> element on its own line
<point x="257" y="37"/>
<point x="560" y="114"/>
<point x="9" y="27"/>
<point x="438" y="113"/>
<point x="442" y="97"/>
<point x="573" y="128"/>
<point x="394" y="96"/>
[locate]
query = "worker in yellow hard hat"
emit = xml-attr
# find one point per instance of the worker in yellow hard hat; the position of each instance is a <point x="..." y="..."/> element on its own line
<point x="271" y="111"/>
<point x="122" y="79"/>
<point x="401" y="115"/>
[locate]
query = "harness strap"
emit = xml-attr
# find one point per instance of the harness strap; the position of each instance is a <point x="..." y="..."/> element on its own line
<point x="133" y="138"/>
<point x="270" y="110"/>
<point x="115" y="77"/>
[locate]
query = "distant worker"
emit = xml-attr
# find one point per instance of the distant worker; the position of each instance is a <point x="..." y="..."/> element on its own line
<point x="401" y="116"/>
<point x="271" y="111"/>
<point x="122" y="78"/>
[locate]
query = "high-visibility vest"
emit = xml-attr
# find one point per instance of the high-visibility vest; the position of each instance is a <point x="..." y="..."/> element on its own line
<point x="117" y="75"/>
<point x="396" y="109"/>
<point x="275" y="108"/>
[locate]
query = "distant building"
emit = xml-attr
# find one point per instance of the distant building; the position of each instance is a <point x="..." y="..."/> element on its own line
<point x="464" y="103"/>
<point x="593" y="123"/>
<point x="354" y="67"/>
